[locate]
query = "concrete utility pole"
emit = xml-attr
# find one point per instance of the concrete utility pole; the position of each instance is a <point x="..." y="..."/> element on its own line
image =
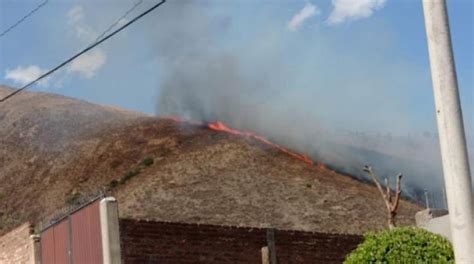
<point x="452" y="139"/>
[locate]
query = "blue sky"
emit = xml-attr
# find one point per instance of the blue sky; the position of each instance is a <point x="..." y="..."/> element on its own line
<point x="343" y="40"/>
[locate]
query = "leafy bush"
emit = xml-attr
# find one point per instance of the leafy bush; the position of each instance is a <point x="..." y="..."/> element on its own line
<point x="402" y="245"/>
<point x="147" y="161"/>
<point x="73" y="198"/>
<point x="128" y="175"/>
<point x="113" y="183"/>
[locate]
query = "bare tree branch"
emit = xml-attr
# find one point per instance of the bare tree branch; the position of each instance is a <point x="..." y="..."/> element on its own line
<point x="388" y="191"/>
<point x="369" y="171"/>
<point x="392" y="205"/>
<point x="399" y="191"/>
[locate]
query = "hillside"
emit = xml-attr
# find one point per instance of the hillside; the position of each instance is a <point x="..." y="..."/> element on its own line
<point x="55" y="149"/>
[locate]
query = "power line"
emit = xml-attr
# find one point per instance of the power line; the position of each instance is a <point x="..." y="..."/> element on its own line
<point x="130" y="10"/>
<point x="82" y="52"/>
<point x="23" y="18"/>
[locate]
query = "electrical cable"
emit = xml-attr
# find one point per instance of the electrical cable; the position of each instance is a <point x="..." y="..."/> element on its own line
<point x="82" y="52"/>
<point x="10" y="28"/>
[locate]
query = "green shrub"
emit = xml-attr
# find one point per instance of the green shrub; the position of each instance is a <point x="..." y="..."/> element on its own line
<point x="73" y="198"/>
<point x="128" y="175"/>
<point x="113" y="183"/>
<point x="402" y="245"/>
<point x="147" y="161"/>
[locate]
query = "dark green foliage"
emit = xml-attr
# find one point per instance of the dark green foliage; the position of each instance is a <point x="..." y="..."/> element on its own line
<point x="128" y="175"/>
<point x="113" y="183"/>
<point x="73" y="198"/>
<point x="10" y="220"/>
<point x="147" y="161"/>
<point x="402" y="245"/>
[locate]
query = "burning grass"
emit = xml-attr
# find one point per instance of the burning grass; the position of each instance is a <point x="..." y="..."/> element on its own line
<point x="221" y="126"/>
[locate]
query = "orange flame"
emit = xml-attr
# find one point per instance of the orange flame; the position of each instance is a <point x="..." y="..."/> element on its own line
<point x="220" y="126"/>
<point x="321" y="165"/>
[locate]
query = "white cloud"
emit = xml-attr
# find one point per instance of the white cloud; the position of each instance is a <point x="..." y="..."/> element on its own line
<point x="353" y="9"/>
<point x="86" y="65"/>
<point x="23" y="75"/>
<point x="84" y="33"/>
<point x="297" y="20"/>
<point x="89" y="63"/>
<point x="76" y="14"/>
<point x="75" y="18"/>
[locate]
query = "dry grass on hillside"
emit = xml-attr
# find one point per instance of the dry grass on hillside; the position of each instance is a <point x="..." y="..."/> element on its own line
<point x="198" y="175"/>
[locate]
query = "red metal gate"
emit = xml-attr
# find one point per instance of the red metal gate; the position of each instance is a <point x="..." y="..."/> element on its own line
<point x="74" y="239"/>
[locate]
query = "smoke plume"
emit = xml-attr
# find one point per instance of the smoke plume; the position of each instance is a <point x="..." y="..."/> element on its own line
<point x="345" y="97"/>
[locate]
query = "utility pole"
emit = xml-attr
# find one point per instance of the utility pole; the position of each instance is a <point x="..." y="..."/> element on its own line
<point x="457" y="176"/>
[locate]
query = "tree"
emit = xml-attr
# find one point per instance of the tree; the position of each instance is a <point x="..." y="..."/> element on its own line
<point x="391" y="202"/>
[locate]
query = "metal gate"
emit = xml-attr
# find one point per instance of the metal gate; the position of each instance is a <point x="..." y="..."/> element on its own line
<point x="75" y="238"/>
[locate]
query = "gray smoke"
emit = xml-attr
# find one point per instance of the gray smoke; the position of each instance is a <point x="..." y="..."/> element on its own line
<point x="346" y="98"/>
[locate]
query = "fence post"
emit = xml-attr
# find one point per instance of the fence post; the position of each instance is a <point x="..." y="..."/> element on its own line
<point x="271" y="245"/>
<point x="35" y="253"/>
<point x="109" y="226"/>
<point x="265" y="256"/>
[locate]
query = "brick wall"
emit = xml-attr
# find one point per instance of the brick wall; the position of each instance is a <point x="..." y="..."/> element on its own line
<point x="160" y="242"/>
<point x="16" y="247"/>
<point x="308" y="247"/>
